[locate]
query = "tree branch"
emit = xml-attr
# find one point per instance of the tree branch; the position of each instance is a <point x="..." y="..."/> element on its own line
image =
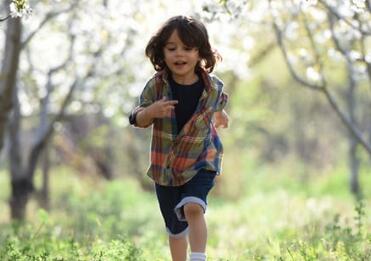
<point x="63" y="64"/>
<point x="46" y="19"/>
<point x="44" y="138"/>
<point x="368" y="5"/>
<point x="363" y="52"/>
<point x="317" y="56"/>
<point x="292" y="71"/>
<point x="44" y="101"/>
<point x="350" y="67"/>
<point x="348" y="123"/>
<point x="355" y="131"/>
<point x="262" y="54"/>
<point x="279" y="36"/>
<point x="335" y="13"/>
<point x="5" y="18"/>
<point x="337" y="44"/>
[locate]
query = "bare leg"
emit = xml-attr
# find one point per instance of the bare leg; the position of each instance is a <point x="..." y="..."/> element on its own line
<point x="197" y="227"/>
<point x="178" y="248"/>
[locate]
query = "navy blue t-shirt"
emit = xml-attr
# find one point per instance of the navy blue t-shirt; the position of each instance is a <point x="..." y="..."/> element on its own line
<point x="188" y="97"/>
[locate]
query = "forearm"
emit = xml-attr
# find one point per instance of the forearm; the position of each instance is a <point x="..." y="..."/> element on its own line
<point x="143" y="118"/>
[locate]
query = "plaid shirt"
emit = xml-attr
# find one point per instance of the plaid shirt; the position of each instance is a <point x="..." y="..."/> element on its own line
<point x="176" y="158"/>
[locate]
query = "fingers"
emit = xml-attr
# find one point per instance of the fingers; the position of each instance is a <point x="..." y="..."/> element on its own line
<point x="165" y="101"/>
<point x="167" y="106"/>
<point x="171" y="102"/>
<point x="164" y="107"/>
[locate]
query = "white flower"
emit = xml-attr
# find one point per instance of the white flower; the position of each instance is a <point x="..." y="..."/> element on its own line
<point x="304" y="55"/>
<point x="346" y="10"/>
<point x="360" y="4"/>
<point x="313" y="75"/>
<point x="19" y="11"/>
<point x="355" y="56"/>
<point x="13" y="10"/>
<point x="307" y="3"/>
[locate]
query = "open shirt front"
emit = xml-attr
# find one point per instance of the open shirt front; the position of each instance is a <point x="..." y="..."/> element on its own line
<point x="176" y="158"/>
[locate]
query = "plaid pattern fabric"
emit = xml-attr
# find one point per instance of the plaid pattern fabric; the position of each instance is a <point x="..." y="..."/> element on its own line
<point x="176" y="158"/>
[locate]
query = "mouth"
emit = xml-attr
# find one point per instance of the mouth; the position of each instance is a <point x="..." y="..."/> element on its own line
<point x="178" y="63"/>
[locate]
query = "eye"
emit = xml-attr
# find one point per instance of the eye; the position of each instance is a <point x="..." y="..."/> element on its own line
<point x="188" y="48"/>
<point x="171" y="49"/>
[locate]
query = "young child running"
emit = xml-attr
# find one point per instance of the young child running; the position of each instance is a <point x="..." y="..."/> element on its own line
<point x="184" y="103"/>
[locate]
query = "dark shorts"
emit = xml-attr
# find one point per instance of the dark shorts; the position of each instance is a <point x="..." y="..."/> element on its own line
<point x="173" y="199"/>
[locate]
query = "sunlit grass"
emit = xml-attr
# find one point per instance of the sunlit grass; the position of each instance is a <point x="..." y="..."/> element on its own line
<point x="271" y="218"/>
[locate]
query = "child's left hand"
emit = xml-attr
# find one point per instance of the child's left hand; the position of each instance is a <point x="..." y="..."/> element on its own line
<point x="221" y="119"/>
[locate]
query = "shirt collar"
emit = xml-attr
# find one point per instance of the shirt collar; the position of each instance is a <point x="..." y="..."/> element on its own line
<point x="164" y="73"/>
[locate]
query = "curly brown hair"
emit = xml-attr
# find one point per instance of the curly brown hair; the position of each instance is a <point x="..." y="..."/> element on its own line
<point x="192" y="33"/>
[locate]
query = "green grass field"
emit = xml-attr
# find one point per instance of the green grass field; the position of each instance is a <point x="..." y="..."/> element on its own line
<point x="275" y="218"/>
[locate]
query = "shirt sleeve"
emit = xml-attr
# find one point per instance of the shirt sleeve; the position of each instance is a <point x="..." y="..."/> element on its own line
<point x="147" y="97"/>
<point x="222" y="101"/>
<point x="222" y="96"/>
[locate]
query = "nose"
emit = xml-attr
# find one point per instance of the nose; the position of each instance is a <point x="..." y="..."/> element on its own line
<point x="179" y="52"/>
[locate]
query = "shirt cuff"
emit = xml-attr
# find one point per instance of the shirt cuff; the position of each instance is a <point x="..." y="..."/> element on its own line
<point x="133" y="117"/>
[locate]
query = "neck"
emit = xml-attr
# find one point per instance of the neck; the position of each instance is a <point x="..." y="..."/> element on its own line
<point x="186" y="79"/>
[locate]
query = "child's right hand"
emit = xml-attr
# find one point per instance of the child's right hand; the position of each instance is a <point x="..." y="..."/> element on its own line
<point x="161" y="108"/>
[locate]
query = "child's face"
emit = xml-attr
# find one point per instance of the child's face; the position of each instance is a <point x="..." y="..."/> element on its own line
<point x="180" y="59"/>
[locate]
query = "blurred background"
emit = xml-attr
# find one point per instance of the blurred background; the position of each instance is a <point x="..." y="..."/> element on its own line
<point x="296" y="181"/>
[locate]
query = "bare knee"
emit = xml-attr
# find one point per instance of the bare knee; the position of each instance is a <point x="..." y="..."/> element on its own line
<point x="178" y="240"/>
<point x="192" y="210"/>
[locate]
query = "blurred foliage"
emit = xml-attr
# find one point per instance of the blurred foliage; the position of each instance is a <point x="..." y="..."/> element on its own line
<point x="273" y="119"/>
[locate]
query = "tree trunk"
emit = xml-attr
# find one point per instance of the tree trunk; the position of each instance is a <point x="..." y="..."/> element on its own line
<point x="43" y="195"/>
<point x="368" y="127"/>
<point x="44" y="199"/>
<point x="21" y="185"/>
<point x="354" y="168"/>
<point x="21" y="189"/>
<point x="9" y="71"/>
<point x="352" y="156"/>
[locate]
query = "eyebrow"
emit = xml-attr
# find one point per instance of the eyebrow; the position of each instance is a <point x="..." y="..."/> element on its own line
<point x="172" y="43"/>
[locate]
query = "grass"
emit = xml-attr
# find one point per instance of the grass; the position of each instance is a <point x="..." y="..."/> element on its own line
<point x="277" y="217"/>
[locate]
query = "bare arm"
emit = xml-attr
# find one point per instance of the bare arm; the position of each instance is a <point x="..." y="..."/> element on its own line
<point x="143" y="118"/>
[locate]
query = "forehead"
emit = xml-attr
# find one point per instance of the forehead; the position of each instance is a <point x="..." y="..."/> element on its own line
<point x="174" y="38"/>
